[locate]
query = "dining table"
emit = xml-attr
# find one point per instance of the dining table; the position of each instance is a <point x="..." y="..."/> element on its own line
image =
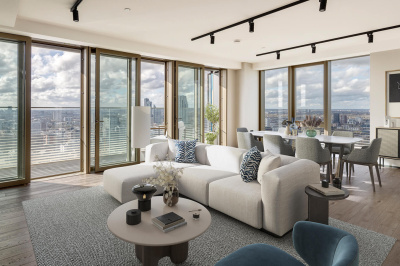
<point x="328" y="140"/>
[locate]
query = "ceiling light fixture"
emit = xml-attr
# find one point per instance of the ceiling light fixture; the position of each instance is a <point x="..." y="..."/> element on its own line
<point x="251" y="25"/>
<point x="368" y="33"/>
<point x="370" y="37"/>
<point x="278" y="55"/>
<point x="74" y="10"/>
<point x="127" y="9"/>
<point x="313" y="48"/>
<point x="212" y="38"/>
<point x="322" y="5"/>
<point x="251" y="19"/>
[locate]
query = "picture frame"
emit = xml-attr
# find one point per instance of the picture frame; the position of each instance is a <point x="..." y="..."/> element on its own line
<point x="392" y="94"/>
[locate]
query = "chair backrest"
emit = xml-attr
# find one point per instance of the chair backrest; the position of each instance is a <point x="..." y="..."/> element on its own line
<point x="373" y="150"/>
<point x="276" y="145"/>
<point x="242" y="129"/>
<point x="320" y="244"/>
<point x="348" y="134"/>
<point x="309" y="148"/>
<point x="244" y="140"/>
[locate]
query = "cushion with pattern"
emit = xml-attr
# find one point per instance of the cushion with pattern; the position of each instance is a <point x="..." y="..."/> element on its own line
<point x="185" y="151"/>
<point x="250" y="164"/>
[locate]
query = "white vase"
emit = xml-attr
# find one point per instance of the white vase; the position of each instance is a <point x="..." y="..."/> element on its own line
<point x="287" y="131"/>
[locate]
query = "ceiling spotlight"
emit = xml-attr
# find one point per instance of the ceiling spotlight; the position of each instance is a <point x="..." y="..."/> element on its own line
<point x="127" y="9"/>
<point x="251" y="26"/>
<point x="278" y="55"/>
<point x="370" y="37"/>
<point x="322" y="5"/>
<point x="75" y="15"/>
<point x="212" y="38"/>
<point x="313" y="48"/>
<point x="236" y="41"/>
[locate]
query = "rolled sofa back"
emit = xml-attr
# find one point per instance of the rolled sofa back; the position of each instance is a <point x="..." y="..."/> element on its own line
<point x="225" y="158"/>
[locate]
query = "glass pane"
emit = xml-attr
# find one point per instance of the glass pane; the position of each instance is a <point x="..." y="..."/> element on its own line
<point x="114" y="84"/>
<point x="350" y="84"/>
<point x="55" y="114"/>
<point x="92" y="108"/>
<point x="276" y="98"/>
<point x="10" y="82"/>
<point x="189" y="108"/>
<point x="152" y="94"/>
<point x="211" y="96"/>
<point x="310" y="92"/>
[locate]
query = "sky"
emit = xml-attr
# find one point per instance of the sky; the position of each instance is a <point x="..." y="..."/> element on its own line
<point x="8" y="74"/>
<point x="350" y="85"/>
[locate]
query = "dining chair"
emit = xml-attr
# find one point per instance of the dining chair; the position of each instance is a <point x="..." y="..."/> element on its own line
<point x="242" y="129"/>
<point x="246" y="141"/>
<point x="365" y="156"/>
<point x="276" y="144"/>
<point x="346" y="149"/>
<point x="310" y="148"/>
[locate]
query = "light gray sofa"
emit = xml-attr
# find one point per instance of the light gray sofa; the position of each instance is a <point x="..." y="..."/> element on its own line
<point x="274" y="205"/>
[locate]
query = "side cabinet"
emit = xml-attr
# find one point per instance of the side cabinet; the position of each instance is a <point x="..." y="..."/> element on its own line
<point x="390" y="147"/>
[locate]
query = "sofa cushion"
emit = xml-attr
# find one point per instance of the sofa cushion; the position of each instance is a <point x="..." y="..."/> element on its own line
<point x="268" y="163"/>
<point x="195" y="181"/>
<point x="185" y="151"/>
<point x="201" y="153"/>
<point x="285" y="159"/>
<point x="175" y="164"/>
<point x="240" y="200"/>
<point x="171" y="149"/>
<point x="225" y="158"/>
<point x="250" y="164"/>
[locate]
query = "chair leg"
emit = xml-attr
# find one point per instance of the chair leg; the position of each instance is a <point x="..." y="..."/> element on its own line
<point x="349" y="177"/>
<point x="347" y="169"/>
<point x="371" y="173"/>
<point x="334" y="159"/>
<point x="330" y="169"/>
<point x="341" y="170"/>
<point x="323" y="168"/>
<point x="379" y="175"/>
<point x="352" y="167"/>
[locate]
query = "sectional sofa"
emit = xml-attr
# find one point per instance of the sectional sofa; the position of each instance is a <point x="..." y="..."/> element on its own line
<point x="274" y="205"/>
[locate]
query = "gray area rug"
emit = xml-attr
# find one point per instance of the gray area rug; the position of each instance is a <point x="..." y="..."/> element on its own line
<point x="71" y="229"/>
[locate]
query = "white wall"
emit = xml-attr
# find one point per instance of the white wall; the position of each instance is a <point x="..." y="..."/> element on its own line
<point x="380" y="63"/>
<point x="242" y="101"/>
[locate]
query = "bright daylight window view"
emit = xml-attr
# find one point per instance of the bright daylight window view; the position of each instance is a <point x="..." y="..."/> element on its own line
<point x="350" y="84"/>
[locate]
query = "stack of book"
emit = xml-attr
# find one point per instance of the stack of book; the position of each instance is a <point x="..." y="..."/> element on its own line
<point x="168" y="222"/>
<point x="328" y="191"/>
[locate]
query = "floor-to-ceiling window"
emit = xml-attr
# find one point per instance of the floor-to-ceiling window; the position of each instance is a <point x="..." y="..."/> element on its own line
<point x="309" y="91"/>
<point x="275" y="89"/>
<point x="152" y="94"/>
<point x="12" y="111"/>
<point x="211" y="96"/>
<point x="350" y="81"/>
<point x="55" y="111"/>
<point x="189" y="93"/>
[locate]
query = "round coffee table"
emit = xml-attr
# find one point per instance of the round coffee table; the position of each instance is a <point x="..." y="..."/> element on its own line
<point x="151" y="244"/>
<point x="318" y="205"/>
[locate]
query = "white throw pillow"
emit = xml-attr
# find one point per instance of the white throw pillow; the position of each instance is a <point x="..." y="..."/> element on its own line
<point x="268" y="163"/>
<point x="171" y="149"/>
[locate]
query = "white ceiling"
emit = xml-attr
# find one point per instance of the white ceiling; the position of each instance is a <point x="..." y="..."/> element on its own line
<point x="171" y="24"/>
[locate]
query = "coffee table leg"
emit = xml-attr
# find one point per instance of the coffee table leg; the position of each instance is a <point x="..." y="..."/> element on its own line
<point x="318" y="210"/>
<point x="179" y="253"/>
<point x="149" y="256"/>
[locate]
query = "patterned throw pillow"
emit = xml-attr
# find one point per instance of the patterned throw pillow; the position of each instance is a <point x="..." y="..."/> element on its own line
<point x="185" y="151"/>
<point x="250" y="164"/>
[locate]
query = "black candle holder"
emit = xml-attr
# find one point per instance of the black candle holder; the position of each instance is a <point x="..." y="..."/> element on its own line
<point x="144" y="192"/>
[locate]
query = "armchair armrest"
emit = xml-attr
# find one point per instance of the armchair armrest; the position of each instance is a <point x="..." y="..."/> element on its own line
<point x="283" y="196"/>
<point x="156" y="149"/>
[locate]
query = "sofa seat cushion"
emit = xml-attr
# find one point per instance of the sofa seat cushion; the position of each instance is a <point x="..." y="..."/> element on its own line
<point x="240" y="200"/>
<point x="118" y="182"/>
<point x="195" y="181"/>
<point x="175" y="164"/>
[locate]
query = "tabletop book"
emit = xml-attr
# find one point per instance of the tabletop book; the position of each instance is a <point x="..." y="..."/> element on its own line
<point x="328" y="191"/>
<point x="168" y="221"/>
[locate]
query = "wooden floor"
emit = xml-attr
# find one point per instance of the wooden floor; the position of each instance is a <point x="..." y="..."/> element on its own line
<point x="379" y="211"/>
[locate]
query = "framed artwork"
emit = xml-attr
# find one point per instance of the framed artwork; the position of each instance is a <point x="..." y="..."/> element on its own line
<point x="393" y="94"/>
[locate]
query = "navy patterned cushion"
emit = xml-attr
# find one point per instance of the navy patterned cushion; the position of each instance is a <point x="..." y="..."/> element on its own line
<point x="185" y="151"/>
<point x="250" y="164"/>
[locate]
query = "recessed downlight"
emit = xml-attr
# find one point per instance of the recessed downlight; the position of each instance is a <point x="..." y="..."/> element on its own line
<point x="236" y="41"/>
<point x="127" y="9"/>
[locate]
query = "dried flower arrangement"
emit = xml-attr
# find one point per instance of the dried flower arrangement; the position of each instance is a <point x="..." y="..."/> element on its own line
<point x="311" y="123"/>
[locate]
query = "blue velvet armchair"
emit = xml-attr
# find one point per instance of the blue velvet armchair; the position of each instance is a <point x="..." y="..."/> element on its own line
<point x="317" y="244"/>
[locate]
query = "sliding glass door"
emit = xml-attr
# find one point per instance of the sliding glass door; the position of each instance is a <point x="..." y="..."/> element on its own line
<point x="189" y="102"/>
<point x="211" y="97"/>
<point x="14" y="79"/>
<point x="115" y="96"/>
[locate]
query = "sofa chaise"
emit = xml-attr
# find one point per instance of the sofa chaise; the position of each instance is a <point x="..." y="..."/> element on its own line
<point x="274" y="205"/>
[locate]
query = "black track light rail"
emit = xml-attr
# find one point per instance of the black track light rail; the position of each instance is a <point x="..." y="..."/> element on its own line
<point x="75" y="6"/>
<point x="250" y="19"/>
<point x="368" y="33"/>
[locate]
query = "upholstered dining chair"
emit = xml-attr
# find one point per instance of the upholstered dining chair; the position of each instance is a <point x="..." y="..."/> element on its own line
<point x="276" y="144"/>
<point x="347" y="148"/>
<point x="242" y="129"/>
<point x="246" y="141"/>
<point x="310" y="148"/>
<point x="317" y="244"/>
<point x="366" y="156"/>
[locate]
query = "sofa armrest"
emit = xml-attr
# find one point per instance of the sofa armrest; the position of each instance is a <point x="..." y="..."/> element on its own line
<point x="283" y="196"/>
<point x="156" y="149"/>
